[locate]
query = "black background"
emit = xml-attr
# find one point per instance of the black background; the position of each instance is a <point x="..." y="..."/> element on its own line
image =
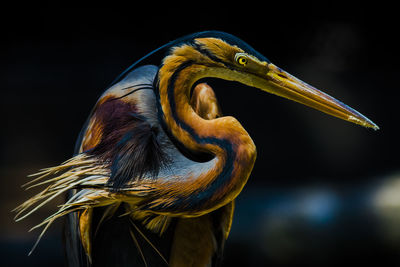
<point x="57" y="59"/>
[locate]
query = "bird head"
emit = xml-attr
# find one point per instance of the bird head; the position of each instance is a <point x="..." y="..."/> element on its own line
<point x="227" y="57"/>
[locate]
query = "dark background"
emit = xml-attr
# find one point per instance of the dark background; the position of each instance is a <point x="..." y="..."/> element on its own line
<point x="323" y="191"/>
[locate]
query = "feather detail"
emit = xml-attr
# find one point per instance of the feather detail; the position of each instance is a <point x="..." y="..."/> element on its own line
<point x="129" y="143"/>
<point x="136" y="155"/>
<point x="153" y="222"/>
<point x="83" y="172"/>
<point x="85" y="229"/>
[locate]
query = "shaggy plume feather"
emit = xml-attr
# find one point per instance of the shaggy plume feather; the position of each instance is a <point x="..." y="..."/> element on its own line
<point x="81" y="172"/>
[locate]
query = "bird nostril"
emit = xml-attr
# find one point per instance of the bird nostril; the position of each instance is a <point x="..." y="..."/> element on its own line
<point x="282" y="76"/>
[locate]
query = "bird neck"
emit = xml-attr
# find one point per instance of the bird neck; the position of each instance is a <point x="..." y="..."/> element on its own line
<point x="233" y="150"/>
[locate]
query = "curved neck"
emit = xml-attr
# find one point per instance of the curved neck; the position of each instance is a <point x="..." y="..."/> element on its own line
<point x="224" y="138"/>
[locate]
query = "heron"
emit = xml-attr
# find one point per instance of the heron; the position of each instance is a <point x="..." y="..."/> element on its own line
<point x="157" y="167"/>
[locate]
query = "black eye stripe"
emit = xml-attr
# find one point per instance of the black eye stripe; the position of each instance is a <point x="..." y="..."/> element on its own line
<point x="209" y="54"/>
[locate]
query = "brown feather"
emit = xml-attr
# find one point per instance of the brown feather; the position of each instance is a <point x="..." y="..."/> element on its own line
<point x="204" y="102"/>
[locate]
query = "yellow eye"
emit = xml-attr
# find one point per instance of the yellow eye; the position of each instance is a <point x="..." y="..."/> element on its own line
<point x="241" y="59"/>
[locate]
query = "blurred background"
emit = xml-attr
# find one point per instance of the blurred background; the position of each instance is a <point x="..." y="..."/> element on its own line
<point x="323" y="191"/>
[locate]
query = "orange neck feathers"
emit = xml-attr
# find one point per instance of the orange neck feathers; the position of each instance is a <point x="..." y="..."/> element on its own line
<point x="233" y="149"/>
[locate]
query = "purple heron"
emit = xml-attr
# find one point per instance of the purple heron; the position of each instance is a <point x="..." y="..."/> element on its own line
<point x="157" y="167"/>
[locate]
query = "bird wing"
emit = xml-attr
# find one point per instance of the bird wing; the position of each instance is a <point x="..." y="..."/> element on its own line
<point x="117" y="105"/>
<point x="123" y="129"/>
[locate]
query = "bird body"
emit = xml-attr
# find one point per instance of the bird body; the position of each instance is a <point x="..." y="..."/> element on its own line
<point x="202" y="235"/>
<point x="157" y="167"/>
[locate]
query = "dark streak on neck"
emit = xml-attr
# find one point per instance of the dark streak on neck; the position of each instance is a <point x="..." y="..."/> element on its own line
<point x="201" y="197"/>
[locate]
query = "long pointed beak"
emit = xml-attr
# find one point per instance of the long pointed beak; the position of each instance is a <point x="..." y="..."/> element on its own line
<point x="285" y="85"/>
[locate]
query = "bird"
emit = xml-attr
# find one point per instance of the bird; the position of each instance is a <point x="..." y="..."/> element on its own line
<point x="157" y="166"/>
